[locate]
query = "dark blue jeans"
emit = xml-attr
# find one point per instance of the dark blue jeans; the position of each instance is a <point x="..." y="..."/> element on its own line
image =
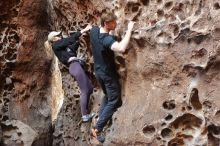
<point x="111" y="100"/>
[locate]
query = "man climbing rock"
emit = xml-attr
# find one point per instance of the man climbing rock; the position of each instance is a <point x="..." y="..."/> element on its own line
<point x="66" y="51"/>
<point x="103" y="47"/>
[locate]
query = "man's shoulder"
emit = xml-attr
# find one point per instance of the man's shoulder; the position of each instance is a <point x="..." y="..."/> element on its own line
<point x="94" y="32"/>
<point x="107" y="38"/>
<point x="94" y="29"/>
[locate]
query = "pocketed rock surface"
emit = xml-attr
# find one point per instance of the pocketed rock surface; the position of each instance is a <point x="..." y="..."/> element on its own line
<point x="169" y="74"/>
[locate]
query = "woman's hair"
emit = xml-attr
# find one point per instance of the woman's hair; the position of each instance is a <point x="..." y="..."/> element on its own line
<point x="107" y="17"/>
<point x="48" y="47"/>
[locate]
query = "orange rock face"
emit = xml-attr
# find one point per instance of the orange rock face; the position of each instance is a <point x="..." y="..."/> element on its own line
<point x="170" y="73"/>
<point x="26" y="83"/>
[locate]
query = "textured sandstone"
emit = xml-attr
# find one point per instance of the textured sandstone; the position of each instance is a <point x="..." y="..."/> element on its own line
<point x="25" y="75"/>
<point x="170" y="74"/>
<point x="21" y="133"/>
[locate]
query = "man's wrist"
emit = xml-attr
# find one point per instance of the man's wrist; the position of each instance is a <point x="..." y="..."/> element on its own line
<point x="129" y="31"/>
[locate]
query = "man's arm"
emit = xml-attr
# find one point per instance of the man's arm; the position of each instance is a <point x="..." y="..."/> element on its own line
<point x="123" y="44"/>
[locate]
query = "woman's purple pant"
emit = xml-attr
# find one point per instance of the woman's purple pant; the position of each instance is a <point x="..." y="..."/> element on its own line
<point x="84" y="84"/>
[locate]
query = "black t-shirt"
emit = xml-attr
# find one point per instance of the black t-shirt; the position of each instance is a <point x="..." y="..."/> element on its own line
<point x="104" y="62"/>
<point x="66" y="47"/>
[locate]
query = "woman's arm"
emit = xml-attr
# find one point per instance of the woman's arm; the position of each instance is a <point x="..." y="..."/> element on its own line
<point x="88" y="27"/>
<point x="65" y="42"/>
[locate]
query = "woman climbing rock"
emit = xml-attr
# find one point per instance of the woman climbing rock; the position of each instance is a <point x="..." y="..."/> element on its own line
<point x="66" y="51"/>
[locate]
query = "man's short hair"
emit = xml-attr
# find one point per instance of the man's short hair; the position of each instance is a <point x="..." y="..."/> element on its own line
<point x="107" y="17"/>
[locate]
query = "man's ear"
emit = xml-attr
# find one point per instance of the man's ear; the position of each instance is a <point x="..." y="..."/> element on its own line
<point x="105" y="24"/>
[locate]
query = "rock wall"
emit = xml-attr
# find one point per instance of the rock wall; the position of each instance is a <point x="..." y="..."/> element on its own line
<point x="9" y="42"/>
<point x="172" y="72"/>
<point x="169" y="75"/>
<point x="25" y="74"/>
<point x="8" y="51"/>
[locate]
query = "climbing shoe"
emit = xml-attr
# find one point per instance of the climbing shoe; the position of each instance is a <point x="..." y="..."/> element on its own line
<point x="88" y="117"/>
<point x="98" y="135"/>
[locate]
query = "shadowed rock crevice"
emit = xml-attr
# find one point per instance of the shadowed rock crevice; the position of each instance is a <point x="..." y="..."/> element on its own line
<point x="168" y="117"/>
<point x="148" y="130"/>
<point x="182" y="130"/>
<point x="169" y="105"/>
<point x="166" y="133"/>
<point x="194" y="99"/>
<point x="186" y="121"/>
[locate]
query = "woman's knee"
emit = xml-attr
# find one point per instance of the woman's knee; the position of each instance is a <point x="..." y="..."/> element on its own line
<point x="87" y="92"/>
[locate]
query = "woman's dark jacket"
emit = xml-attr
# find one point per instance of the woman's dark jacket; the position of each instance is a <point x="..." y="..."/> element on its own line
<point x="66" y="47"/>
